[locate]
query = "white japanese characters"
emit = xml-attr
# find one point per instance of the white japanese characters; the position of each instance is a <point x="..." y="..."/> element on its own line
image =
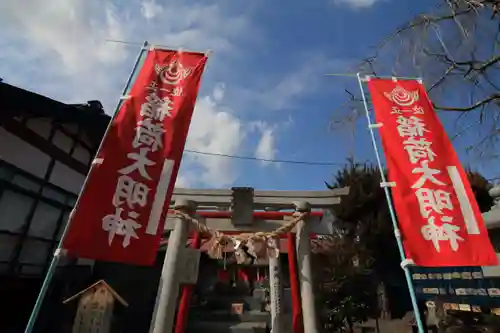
<point x="435" y="203"/>
<point x="135" y="184"/>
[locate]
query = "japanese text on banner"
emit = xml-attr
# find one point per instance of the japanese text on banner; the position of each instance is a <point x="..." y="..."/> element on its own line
<point x="430" y="182"/>
<point x="122" y="210"/>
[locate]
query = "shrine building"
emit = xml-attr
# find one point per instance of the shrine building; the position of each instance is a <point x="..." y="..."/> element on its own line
<point x="46" y="149"/>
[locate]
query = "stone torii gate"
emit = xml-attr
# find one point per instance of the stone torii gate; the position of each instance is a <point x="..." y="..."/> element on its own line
<point x="245" y="210"/>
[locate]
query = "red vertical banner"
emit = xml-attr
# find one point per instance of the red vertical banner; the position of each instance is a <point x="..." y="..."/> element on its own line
<point x="121" y="212"/>
<point x="437" y="212"/>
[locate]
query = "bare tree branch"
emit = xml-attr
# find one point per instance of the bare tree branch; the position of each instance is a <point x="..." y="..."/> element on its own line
<point x="455" y="48"/>
<point x="474" y="106"/>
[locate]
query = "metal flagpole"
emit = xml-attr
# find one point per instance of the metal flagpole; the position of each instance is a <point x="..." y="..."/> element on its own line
<point x="404" y="261"/>
<point x="59" y="250"/>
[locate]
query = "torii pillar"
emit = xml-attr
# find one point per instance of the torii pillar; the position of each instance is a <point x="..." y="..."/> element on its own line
<point x="304" y="263"/>
<point x="276" y="291"/>
<point x="168" y="288"/>
<point x="492" y="217"/>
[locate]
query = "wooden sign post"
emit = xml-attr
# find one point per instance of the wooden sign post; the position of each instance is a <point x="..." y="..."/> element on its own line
<point x="95" y="308"/>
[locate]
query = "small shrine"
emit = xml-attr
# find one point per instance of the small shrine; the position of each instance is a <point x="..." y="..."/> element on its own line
<point x="95" y="308"/>
<point x="253" y="251"/>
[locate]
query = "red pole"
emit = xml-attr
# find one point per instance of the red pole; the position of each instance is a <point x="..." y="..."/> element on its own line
<point x="187" y="292"/>
<point x="297" y="326"/>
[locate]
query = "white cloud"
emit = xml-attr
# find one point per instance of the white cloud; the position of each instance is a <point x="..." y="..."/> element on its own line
<point x="64" y="43"/>
<point x="150" y="9"/>
<point x="356" y="4"/>
<point x="266" y="147"/>
<point x="216" y="130"/>
<point x="219" y="91"/>
<point x="58" y="48"/>
<point x="283" y="92"/>
<point x="184" y="181"/>
<point x="70" y="33"/>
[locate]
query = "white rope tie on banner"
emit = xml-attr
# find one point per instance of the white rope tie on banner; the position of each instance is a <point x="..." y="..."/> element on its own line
<point x="97" y="161"/>
<point x="397" y="233"/>
<point x="387" y="184"/>
<point x="60" y="252"/>
<point x="407" y="262"/>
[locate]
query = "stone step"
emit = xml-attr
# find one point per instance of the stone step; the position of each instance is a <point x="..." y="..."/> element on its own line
<point x="227" y="316"/>
<point x="227" y="327"/>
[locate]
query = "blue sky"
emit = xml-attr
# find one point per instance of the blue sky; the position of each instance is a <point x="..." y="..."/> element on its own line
<point x="264" y="92"/>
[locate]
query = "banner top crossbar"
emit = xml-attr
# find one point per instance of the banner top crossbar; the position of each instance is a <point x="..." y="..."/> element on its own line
<point x="364" y="76"/>
<point x="152" y="46"/>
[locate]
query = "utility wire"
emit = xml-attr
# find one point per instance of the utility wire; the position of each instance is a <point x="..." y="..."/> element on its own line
<point x="251" y="158"/>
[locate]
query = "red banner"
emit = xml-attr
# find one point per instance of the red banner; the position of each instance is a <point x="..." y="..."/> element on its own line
<point x="438" y="215"/>
<point x="121" y="213"/>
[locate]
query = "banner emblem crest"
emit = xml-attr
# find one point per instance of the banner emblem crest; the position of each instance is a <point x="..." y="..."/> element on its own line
<point x="172" y="73"/>
<point x="402" y="97"/>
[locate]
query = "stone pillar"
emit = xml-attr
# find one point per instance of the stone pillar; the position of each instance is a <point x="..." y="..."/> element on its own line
<point x="304" y="263"/>
<point x="492" y="217"/>
<point x="276" y="293"/>
<point x="168" y="288"/>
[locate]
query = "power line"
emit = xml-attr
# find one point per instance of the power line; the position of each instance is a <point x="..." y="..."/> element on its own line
<point x="251" y="158"/>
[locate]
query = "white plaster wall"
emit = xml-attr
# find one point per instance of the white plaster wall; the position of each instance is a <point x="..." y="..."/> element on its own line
<point x="62" y="141"/>
<point x="32" y="270"/>
<point x="44" y="221"/>
<point x="84" y="138"/>
<point x="81" y="154"/>
<point x="66" y="178"/>
<point x="34" y="252"/>
<point x="71" y="128"/>
<point x="14" y="208"/>
<point x="23" y="155"/>
<point x="7" y="244"/>
<point x="41" y="126"/>
<point x="25" y="183"/>
<point x="54" y="194"/>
